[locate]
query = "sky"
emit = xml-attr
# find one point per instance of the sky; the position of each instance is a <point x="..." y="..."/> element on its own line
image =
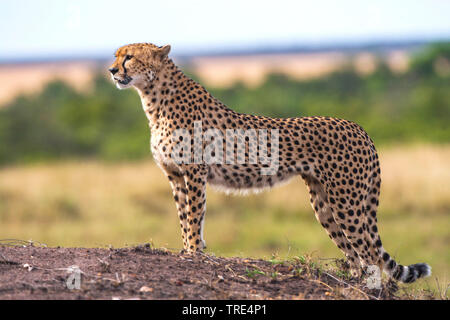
<point x="52" y="28"/>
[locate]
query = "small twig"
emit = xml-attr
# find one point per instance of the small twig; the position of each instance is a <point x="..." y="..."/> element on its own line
<point x="349" y="285"/>
<point x="258" y="268"/>
<point x="322" y="283"/>
<point x="208" y="257"/>
<point x="229" y="268"/>
<point x="6" y="261"/>
<point x="20" y="243"/>
<point x="105" y="265"/>
<point x="3" y="257"/>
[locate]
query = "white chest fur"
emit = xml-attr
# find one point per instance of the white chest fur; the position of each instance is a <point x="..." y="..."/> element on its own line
<point x="160" y="151"/>
<point x="156" y="148"/>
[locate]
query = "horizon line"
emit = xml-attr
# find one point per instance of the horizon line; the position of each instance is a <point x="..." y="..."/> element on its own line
<point x="378" y="46"/>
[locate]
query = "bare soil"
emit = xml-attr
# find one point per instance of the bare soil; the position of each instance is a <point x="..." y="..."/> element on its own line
<point x="142" y="272"/>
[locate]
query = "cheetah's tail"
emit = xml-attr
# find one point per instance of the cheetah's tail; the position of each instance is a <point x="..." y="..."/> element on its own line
<point x="405" y="274"/>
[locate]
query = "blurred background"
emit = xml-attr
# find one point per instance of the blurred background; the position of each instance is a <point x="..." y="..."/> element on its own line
<point x="75" y="165"/>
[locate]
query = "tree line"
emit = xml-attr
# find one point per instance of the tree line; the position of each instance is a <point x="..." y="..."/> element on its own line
<point x="61" y="123"/>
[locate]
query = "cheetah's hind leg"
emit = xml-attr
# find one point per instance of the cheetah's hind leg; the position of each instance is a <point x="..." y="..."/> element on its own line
<point x="325" y="217"/>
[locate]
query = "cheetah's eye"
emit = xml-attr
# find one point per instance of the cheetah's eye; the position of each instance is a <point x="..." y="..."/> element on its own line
<point x="128" y="57"/>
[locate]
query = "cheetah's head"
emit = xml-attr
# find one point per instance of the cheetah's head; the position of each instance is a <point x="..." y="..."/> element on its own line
<point x="137" y="64"/>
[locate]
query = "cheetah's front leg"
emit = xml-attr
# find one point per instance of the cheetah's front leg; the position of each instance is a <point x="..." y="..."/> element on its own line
<point x="176" y="180"/>
<point x="195" y="178"/>
<point x="180" y="196"/>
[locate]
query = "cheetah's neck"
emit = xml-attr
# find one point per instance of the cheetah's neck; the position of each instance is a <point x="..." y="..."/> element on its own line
<point x="170" y="89"/>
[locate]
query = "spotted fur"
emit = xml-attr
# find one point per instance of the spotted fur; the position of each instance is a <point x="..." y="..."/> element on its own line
<point x="335" y="157"/>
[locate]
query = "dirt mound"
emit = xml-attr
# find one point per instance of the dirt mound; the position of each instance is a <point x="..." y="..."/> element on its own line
<point x="141" y="272"/>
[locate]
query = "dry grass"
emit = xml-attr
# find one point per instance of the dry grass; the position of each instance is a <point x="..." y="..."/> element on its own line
<point x="93" y="204"/>
<point x="416" y="179"/>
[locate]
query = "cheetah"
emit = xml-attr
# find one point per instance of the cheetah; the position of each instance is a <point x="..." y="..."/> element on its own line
<point x="335" y="157"/>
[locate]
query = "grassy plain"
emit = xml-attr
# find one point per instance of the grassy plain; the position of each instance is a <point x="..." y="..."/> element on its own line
<point x="96" y="204"/>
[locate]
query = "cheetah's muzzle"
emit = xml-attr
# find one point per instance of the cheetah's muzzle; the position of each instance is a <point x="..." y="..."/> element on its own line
<point x="125" y="81"/>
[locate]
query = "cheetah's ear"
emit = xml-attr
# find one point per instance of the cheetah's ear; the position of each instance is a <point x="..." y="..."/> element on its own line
<point x="164" y="52"/>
